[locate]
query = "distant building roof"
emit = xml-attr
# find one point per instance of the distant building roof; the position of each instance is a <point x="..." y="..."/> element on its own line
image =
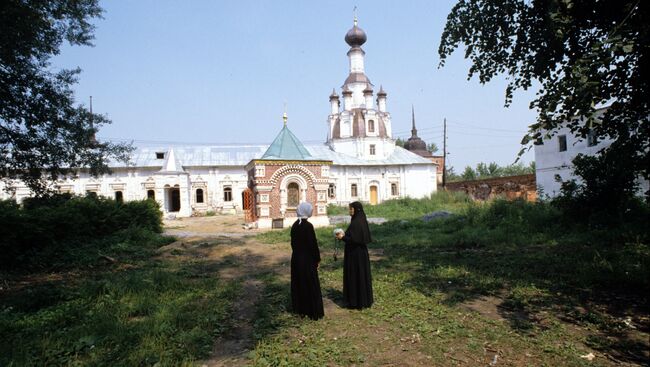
<point x="240" y="155"/>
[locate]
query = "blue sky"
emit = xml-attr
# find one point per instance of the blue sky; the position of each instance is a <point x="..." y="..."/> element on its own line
<point x="221" y="71"/>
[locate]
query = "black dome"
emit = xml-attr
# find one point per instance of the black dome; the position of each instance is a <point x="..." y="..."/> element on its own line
<point x="355" y="37"/>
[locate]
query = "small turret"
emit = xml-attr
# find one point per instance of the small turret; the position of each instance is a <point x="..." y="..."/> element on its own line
<point x="367" y="94"/>
<point x="334" y="102"/>
<point x="347" y="98"/>
<point x="381" y="99"/>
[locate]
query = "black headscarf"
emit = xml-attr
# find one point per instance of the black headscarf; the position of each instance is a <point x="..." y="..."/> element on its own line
<point x="358" y="230"/>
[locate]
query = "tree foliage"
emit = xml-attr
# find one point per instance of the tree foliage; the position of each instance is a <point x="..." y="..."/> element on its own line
<point x="582" y="54"/>
<point x="490" y="170"/>
<point x="43" y="133"/>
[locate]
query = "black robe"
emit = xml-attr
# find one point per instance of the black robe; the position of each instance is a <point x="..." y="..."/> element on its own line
<point x="357" y="280"/>
<point x="306" y="297"/>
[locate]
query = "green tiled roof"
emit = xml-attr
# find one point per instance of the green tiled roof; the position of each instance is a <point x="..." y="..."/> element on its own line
<point x="286" y="146"/>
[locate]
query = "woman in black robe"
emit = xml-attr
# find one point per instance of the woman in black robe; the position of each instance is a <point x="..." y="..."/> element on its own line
<point x="357" y="281"/>
<point x="306" y="297"/>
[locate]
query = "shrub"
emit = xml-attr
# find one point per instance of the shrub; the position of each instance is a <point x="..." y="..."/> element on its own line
<point x="67" y="220"/>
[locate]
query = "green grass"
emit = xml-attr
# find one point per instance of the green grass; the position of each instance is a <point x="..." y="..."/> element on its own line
<point x="546" y="292"/>
<point x="559" y="291"/>
<point x="141" y="311"/>
<point x="408" y="208"/>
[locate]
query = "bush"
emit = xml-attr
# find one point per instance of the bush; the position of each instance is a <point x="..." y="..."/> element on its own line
<point x="67" y="220"/>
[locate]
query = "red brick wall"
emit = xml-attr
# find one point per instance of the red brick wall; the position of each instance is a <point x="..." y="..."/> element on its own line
<point x="512" y="187"/>
<point x="274" y="195"/>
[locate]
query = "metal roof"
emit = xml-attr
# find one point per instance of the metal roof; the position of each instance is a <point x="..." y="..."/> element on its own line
<point x="287" y="147"/>
<point x="240" y="155"/>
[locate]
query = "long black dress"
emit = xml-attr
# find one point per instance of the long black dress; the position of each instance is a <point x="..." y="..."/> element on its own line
<point x="306" y="297"/>
<point x="357" y="280"/>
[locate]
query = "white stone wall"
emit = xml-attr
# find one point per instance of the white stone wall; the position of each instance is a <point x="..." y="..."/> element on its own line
<point x="412" y="180"/>
<point x="416" y="181"/>
<point x="550" y="161"/>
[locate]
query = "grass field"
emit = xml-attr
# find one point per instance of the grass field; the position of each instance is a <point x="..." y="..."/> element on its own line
<point x="506" y="283"/>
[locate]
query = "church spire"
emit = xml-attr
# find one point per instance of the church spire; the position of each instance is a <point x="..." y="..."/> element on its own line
<point x="414" y="131"/>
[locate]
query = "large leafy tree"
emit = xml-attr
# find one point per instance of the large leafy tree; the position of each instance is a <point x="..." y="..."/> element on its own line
<point x="43" y="133"/>
<point x="582" y="54"/>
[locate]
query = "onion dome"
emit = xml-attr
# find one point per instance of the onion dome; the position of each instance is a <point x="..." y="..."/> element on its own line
<point x="334" y="95"/>
<point x="355" y="36"/>
<point x="381" y="92"/>
<point x="414" y="143"/>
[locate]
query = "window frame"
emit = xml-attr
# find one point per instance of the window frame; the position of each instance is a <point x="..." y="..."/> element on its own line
<point x="562" y="143"/>
<point x="227" y="194"/>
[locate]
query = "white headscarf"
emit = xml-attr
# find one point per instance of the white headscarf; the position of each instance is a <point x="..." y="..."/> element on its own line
<point x="304" y="211"/>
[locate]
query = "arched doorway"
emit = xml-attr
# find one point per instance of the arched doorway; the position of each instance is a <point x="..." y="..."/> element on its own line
<point x="172" y="198"/>
<point x="373" y="195"/>
<point x="293" y="195"/>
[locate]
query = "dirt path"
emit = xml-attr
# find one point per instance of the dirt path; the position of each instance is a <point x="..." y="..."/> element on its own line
<point x="224" y="240"/>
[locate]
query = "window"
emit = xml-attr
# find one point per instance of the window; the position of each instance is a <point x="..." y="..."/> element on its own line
<point x="119" y="197"/>
<point x="372" y="149"/>
<point x="562" y="140"/>
<point x="393" y="189"/>
<point x="293" y="194"/>
<point x="331" y="191"/>
<point x="592" y="139"/>
<point x="199" y="195"/>
<point x="227" y="194"/>
<point x="259" y="171"/>
<point x="151" y="195"/>
<point x="371" y="126"/>
<point x="160" y="155"/>
<point x="353" y="190"/>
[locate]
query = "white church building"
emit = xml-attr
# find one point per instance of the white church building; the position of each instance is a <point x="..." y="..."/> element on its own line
<point x="358" y="161"/>
<point x="554" y="158"/>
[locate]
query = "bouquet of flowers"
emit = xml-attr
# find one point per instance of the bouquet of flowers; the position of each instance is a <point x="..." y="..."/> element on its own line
<point x="337" y="231"/>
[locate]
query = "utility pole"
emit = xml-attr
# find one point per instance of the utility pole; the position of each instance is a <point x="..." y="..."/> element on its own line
<point x="444" y="154"/>
<point x="93" y="138"/>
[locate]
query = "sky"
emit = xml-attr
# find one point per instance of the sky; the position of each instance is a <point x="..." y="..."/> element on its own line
<point x="221" y="72"/>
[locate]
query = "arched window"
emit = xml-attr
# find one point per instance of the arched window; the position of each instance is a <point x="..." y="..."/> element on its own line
<point x="151" y="195"/>
<point x="371" y="126"/>
<point x="293" y="194"/>
<point x="353" y="190"/>
<point x="393" y="189"/>
<point x="119" y="197"/>
<point x="331" y="191"/>
<point x="227" y="193"/>
<point x="199" y="195"/>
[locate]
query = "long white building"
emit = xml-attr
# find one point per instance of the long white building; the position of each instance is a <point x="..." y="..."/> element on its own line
<point x="359" y="155"/>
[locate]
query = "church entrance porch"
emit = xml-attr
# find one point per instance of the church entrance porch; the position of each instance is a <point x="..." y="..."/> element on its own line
<point x="172" y="199"/>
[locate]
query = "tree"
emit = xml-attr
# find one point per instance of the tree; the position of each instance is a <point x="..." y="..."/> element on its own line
<point x="451" y="174"/>
<point x="583" y="54"/>
<point x="43" y="134"/>
<point x="399" y="142"/>
<point x="432" y="148"/>
<point x="468" y="174"/>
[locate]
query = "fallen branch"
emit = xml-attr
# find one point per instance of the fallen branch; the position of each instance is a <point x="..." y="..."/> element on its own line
<point x="108" y="258"/>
